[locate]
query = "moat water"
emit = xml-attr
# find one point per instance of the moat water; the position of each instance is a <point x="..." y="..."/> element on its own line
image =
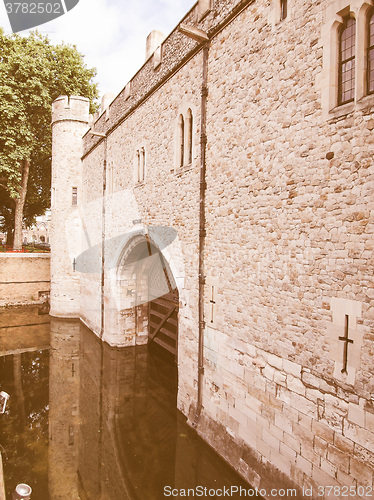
<point x="86" y="421"/>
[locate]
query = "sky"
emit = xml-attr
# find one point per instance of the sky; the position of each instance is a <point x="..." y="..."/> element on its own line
<point x="111" y="33"/>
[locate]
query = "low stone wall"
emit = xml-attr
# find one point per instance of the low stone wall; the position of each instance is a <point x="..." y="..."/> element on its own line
<point x="24" y="278"/>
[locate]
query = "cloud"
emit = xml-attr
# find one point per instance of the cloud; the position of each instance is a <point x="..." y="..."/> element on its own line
<point x="112" y="33"/>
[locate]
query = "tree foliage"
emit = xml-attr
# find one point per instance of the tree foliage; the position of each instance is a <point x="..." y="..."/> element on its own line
<point x="33" y="73"/>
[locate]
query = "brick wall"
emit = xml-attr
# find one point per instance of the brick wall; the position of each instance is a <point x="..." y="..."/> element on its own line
<point x="24" y="278"/>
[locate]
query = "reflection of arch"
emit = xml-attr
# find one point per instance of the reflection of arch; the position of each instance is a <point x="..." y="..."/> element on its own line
<point x="148" y="295"/>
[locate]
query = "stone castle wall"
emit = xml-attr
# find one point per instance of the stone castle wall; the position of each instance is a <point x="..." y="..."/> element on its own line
<point x="24" y="278"/>
<point x="292" y="233"/>
<point x="289" y="245"/>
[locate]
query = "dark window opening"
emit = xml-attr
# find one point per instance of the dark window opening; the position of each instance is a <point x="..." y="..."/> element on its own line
<point x="189" y="138"/>
<point x="181" y="141"/>
<point x="74" y="201"/>
<point x="347" y="46"/>
<point x="142" y="165"/>
<point x="283" y="10"/>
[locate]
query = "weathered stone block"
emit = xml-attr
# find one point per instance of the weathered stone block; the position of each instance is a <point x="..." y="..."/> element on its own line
<point x="338" y="458"/>
<point x="356" y="415"/>
<point x="359" y="435"/>
<point x="369" y="421"/>
<point x="320" y="446"/>
<point x="304" y="465"/>
<point x="292" y="368"/>
<point x="323" y="431"/>
<point x="295" y="385"/>
<point x="361" y="472"/>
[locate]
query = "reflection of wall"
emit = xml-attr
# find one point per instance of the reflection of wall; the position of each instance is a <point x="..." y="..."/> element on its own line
<point x="114" y="432"/>
<point x="64" y="409"/>
<point x="25" y="330"/>
<point x="112" y="390"/>
<point x="2" y="486"/>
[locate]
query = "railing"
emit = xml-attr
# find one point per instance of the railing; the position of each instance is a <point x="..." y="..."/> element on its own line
<point x="25" y="249"/>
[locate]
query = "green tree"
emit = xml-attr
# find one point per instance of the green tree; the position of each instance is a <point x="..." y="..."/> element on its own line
<point x="33" y="73"/>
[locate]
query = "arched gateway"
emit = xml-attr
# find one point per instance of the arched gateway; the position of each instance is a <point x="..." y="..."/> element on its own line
<point x="148" y="295"/>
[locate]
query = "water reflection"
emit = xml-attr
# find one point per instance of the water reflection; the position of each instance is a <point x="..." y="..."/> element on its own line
<point x="114" y="431"/>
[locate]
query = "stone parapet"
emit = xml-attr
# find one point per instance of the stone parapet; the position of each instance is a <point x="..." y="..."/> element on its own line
<point x="176" y="50"/>
<point x="24" y="278"/>
<point x="70" y="108"/>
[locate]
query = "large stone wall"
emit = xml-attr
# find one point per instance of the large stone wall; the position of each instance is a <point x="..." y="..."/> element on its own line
<point x="289" y="245"/>
<point x="24" y="278"/>
<point x="292" y="233"/>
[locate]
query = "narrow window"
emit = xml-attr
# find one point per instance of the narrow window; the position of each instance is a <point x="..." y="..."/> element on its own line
<point x="181" y="140"/>
<point x="189" y="123"/>
<point x="142" y="165"/>
<point x="347" y="47"/>
<point x="74" y="198"/>
<point x="109" y="183"/>
<point x="283" y="9"/>
<point x="370" y="62"/>
<point x="137" y="173"/>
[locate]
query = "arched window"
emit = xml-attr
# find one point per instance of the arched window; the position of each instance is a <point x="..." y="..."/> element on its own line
<point x="370" y="56"/>
<point x="347" y="47"/>
<point x="184" y="140"/>
<point x="181" y="140"/>
<point x="283" y="6"/>
<point x="189" y="126"/>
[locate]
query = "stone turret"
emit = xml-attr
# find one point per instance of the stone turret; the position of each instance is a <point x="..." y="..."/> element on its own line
<point x="70" y="117"/>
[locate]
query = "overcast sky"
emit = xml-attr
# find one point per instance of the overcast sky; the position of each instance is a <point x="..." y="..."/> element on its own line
<point x="112" y="33"/>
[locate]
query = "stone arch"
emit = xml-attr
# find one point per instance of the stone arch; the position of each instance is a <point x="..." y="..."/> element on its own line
<point x="148" y="295"/>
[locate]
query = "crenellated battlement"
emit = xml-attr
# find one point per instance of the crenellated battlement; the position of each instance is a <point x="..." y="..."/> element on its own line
<point x="71" y="108"/>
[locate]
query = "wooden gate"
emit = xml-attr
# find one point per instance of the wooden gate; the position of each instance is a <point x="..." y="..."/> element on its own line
<point x="163" y="304"/>
<point x="163" y="322"/>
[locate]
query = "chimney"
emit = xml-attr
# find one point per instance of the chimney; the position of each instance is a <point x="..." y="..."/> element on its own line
<point x="154" y="40"/>
<point x="106" y="100"/>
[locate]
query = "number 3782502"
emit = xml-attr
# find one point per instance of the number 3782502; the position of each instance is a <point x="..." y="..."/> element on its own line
<point x="33" y="8"/>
